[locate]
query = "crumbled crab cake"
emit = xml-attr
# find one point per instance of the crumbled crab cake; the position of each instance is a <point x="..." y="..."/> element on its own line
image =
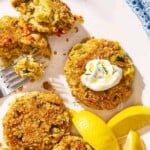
<point x="36" y="121"/>
<point x="50" y="16"/>
<point x="72" y="143"/>
<point x="16" y="38"/>
<point x="99" y="49"/>
<point x="28" y="68"/>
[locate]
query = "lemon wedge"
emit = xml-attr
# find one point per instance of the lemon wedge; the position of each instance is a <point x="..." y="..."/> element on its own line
<point x="94" y="130"/>
<point x="133" y="142"/>
<point x="134" y="117"/>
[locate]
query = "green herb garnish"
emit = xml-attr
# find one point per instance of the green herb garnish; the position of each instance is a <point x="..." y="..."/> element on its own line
<point x="25" y="1"/>
<point x="29" y="19"/>
<point x="120" y="58"/>
<point x="114" y="71"/>
<point x="87" y="74"/>
<point x="26" y="71"/>
<point x="105" y="70"/>
<point x="81" y="52"/>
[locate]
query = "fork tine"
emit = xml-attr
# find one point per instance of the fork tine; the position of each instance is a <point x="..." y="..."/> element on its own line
<point x="18" y="84"/>
<point x="7" y="89"/>
<point x="37" y="53"/>
<point x="10" y="74"/>
<point x="13" y="79"/>
<point x="5" y="70"/>
<point x="7" y="73"/>
<point x="39" y="58"/>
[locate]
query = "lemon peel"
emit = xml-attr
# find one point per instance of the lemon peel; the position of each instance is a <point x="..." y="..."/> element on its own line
<point x="94" y="130"/>
<point x="133" y="142"/>
<point x="134" y="117"/>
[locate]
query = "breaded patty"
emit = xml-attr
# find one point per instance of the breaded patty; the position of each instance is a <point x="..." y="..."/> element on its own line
<point x="16" y="38"/>
<point x="28" y="68"/>
<point x="50" y="16"/>
<point x="72" y="143"/>
<point x="36" y="121"/>
<point x="85" y="51"/>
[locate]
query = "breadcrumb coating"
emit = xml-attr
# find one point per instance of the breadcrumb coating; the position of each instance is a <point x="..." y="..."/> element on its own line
<point x="36" y="121"/>
<point x="48" y="16"/>
<point x="16" y="38"/>
<point x="90" y="49"/>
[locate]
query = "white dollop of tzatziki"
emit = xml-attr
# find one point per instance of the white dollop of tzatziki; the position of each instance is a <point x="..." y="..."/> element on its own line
<point x="101" y="75"/>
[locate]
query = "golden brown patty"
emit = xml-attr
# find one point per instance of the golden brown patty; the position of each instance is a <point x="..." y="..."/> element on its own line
<point x="28" y="68"/>
<point x="72" y="143"/>
<point x="16" y="38"/>
<point x="36" y="121"/>
<point x="51" y="16"/>
<point x="83" y="52"/>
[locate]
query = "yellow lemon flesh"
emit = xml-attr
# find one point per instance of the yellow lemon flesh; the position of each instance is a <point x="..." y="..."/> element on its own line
<point x="133" y="142"/>
<point x="94" y="130"/>
<point x="134" y="117"/>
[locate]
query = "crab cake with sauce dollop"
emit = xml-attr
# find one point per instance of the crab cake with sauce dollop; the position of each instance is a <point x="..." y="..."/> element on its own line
<point x="36" y="121"/>
<point x="72" y="143"/>
<point x="50" y="16"/>
<point x="17" y="38"/>
<point x="100" y="73"/>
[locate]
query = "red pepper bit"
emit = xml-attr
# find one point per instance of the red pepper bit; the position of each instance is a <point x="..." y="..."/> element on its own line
<point x="21" y="28"/>
<point x="31" y="38"/>
<point x="78" y="147"/>
<point x="28" y="26"/>
<point x="8" y="41"/>
<point x="59" y="32"/>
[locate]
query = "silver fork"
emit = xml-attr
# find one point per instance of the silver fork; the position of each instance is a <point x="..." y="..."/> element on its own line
<point x="10" y="81"/>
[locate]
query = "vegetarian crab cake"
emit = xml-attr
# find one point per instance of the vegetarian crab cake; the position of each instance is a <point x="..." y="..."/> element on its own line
<point x="28" y="67"/>
<point x="16" y="38"/>
<point x="72" y="143"/>
<point x="50" y="16"/>
<point x="36" y="121"/>
<point x="100" y="73"/>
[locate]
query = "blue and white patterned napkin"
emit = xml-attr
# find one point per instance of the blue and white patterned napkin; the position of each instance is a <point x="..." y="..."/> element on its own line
<point x="142" y="10"/>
